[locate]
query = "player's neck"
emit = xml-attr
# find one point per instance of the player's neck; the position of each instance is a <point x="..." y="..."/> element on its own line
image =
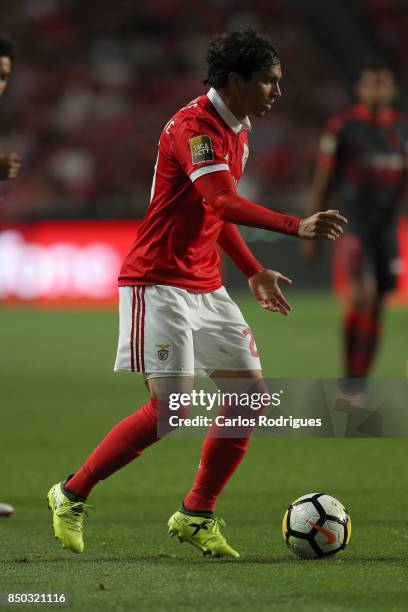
<point x="232" y="104"/>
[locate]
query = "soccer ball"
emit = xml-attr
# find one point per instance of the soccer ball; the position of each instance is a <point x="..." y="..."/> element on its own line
<point x="316" y="525"/>
<point x="6" y="509"/>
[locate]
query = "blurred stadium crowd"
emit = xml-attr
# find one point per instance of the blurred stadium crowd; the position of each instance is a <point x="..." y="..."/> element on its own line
<point x="95" y="82"/>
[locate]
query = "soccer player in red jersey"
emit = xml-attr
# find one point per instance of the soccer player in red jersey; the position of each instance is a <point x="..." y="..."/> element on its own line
<point x="9" y="163"/>
<point x="176" y="318"/>
<point x="363" y="154"/>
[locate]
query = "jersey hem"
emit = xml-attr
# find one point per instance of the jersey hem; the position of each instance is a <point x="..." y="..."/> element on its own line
<point x="141" y="283"/>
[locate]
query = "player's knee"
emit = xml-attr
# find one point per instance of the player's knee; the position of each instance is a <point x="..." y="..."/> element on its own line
<point x="166" y="386"/>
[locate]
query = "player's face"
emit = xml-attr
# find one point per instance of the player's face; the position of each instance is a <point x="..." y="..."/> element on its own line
<point x="5" y="71"/>
<point x="376" y="87"/>
<point x="259" y="93"/>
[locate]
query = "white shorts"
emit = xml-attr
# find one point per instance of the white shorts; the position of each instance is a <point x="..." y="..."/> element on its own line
<point x="167" y="331"/>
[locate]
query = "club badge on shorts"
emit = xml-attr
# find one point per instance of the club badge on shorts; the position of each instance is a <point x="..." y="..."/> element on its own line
<point x="163" y="352"/>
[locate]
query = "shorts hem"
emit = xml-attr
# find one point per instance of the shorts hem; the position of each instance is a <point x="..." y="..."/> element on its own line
<point x="158" y="374"/>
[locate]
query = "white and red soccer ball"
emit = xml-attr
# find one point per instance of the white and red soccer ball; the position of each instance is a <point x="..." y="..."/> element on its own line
<point x="316" y="525"/>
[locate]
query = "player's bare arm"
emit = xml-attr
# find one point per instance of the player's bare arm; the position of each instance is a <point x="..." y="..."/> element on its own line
<point x="9" y="166"/>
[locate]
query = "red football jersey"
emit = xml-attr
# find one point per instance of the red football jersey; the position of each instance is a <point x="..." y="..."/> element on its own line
<point x="176" y="241"/>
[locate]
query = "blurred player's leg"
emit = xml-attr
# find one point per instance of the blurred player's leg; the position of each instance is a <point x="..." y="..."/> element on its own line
<point x="362" y="328"/>
<point x="372" y="266"/>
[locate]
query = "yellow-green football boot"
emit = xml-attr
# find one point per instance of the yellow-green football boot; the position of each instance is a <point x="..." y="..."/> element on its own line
<point x="203" y="533"/>
<point x="67" y="517"/>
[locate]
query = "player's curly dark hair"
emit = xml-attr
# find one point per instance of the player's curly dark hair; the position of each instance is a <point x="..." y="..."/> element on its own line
<point x="7" y="48"/>
<point x="244" y="52"/>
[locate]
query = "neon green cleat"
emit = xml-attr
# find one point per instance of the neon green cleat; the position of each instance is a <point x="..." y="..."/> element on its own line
<point x="203" y="533"/>
<point x="67" y="518"/>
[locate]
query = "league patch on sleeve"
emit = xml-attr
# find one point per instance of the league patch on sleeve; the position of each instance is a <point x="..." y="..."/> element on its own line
<point x="201" y="149"/>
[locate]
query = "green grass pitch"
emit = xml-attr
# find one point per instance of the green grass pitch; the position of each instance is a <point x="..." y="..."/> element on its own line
<point x="58" y="398"/>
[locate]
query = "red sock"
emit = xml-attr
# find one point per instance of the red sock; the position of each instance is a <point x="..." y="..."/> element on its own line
<point x="126" y="441"/>
<point x="220" y="457"/>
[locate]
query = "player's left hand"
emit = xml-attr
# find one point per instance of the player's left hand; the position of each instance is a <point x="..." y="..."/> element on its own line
<point x="264" y="286"/>
<point x="9" y="166"/>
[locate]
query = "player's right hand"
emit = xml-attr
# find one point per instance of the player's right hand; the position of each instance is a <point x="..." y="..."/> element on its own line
<point x="9" y="166"/>
<point x="325" y="224"/>
<point x="264" y="286"/>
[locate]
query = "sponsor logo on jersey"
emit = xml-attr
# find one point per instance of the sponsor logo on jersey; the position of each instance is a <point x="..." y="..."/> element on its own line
<point x="201" y="149"/>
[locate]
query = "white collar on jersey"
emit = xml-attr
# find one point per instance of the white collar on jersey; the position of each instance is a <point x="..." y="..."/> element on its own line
<point x="225" y="113"/>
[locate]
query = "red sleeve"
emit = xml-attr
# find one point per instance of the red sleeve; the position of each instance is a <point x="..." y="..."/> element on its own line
<point x="198" y="148"/>
<point x="231" y="241"/>
<point x="220" y="192"/>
